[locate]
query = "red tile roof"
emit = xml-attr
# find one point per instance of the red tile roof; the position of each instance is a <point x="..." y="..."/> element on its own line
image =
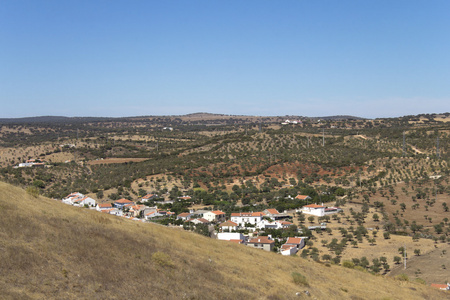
<point x="293" y="241"/>
<point x="273" y="211"/>
<point x="218" y="212"/>
<point x="123" y="201"/>
<point x="439" y="286"/>
<point x="228" y="223"/>
<point x="302" y="197"/>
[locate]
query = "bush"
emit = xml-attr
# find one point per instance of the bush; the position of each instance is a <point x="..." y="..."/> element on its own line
<point x="420" y="280"/>
<point x="348" y="264"/>
<point x="33" y="191"/>
<point x="359" y="268"/>
<point x="402" y="277"/>
<point x="162" y="259"/>
<point x="299" y="279"/>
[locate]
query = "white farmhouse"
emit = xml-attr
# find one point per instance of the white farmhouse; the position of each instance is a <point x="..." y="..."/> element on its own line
<point x="319" y="210"/>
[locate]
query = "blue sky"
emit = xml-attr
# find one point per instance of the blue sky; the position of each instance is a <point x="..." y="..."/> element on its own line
<point x="309" y="58"/>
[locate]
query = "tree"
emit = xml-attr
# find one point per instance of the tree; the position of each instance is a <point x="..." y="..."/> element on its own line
<point x="301" y="218"/>
<point x="403" y="206"/>
<point x="375" y="217"/>
<point x="417" y="252"/>
<point x="311" y="219"/>
<point x="397" y="259"/>
<point x="100" y="195"/>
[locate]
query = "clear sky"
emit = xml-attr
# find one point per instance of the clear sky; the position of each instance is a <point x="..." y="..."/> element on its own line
<point x="117" y="58"/>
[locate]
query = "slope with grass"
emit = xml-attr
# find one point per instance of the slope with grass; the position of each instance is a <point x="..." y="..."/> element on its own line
<point x="53" y="251"/>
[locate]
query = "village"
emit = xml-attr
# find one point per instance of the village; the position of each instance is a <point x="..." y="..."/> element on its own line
<point x="246" y="228"/>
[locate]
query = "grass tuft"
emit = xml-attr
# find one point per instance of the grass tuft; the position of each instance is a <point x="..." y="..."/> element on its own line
<point x="299" y="279"/>
<point x="162" y="259"/>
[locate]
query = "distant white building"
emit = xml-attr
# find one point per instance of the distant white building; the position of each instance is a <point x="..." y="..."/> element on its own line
<point x="319" y="210"/>
<point x="78" y="199"/>
<point x="243" y="218"/>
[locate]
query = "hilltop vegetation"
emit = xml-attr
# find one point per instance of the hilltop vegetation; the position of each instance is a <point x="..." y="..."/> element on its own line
<point x="53" y="251"/>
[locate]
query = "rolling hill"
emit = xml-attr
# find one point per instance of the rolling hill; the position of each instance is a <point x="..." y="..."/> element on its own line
<point x="53" y="251"/>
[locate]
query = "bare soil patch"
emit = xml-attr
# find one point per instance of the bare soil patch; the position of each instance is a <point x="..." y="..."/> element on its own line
<point x="113" y="160"/>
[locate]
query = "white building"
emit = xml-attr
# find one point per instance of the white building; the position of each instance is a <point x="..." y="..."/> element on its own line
<point x="231" y="236"/>
<point x="252" y="218"/>
<point x="319" y="210"/>
<point x="214" y="216"/>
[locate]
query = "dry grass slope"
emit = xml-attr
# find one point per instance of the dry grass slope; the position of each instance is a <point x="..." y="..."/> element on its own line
<point x="53" y="251"/>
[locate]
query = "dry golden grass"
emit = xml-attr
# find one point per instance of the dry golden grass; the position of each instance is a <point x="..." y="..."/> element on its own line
<point x="54" y="251"/>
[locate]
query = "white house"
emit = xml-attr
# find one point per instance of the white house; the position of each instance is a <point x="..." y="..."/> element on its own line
<point x="149" y="197"/>
<point x="319" y="210"/>
<point x="214" y="216"/>
<point x="72" y="197"/>
<point x="200" y="221"/>
<point x="103" y="206"/>
<point x="152" y="214"/>
<point x="303" y="197"/>
<point x="292" y="245"/>
<point x="252" y="218"/>
<point x="84" y="201"/>
<point x="113" y="211"/>
<point x="288" y="250"/>
<point x="184" y="216"/>
<point x="266" y="224"/>
<point x="228" y="226"/>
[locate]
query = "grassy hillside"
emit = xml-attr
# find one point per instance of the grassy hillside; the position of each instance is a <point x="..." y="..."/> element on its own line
<point x="54" y="251"/>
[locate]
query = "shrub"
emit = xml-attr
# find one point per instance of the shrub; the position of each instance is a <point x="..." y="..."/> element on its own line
<point x="359" y="268"/>
<point x="420" y="280"/>
<point x="33" y="191"/>
<point x="162" y="259"/>
<point x="348" y="264"/>
<point x="299" y="279"/>
<point x="402" y="277"/>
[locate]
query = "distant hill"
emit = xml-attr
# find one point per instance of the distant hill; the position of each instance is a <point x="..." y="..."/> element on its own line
<point x="194" y="116"/>
<point x="49" y="250"/>
<point x="51" y="119"/>
<point x="338" y="118"/>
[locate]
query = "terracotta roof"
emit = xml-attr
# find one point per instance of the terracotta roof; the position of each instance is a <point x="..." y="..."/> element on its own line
<point x="314" y="206"/>
<point x="104" y="205"/>
<point x="273" y="211"/>
<point x="293" y="241"/>
<point x="261" y="240"/>
<point x="148" y="196"/>
<point x="286" y="223"/>
<point x="439" y="286"/>
<point x="123" y="201"/>
<point x="286" y="247"/>
<point x="228" y="223"/>
<point x="236" y="241"/>
<point x="218" y="212"/>
<point x="137" y="207"/>
<point x="302" y="197"/>
<point x="202" y="220"/>
<point x="185" y="214"/>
